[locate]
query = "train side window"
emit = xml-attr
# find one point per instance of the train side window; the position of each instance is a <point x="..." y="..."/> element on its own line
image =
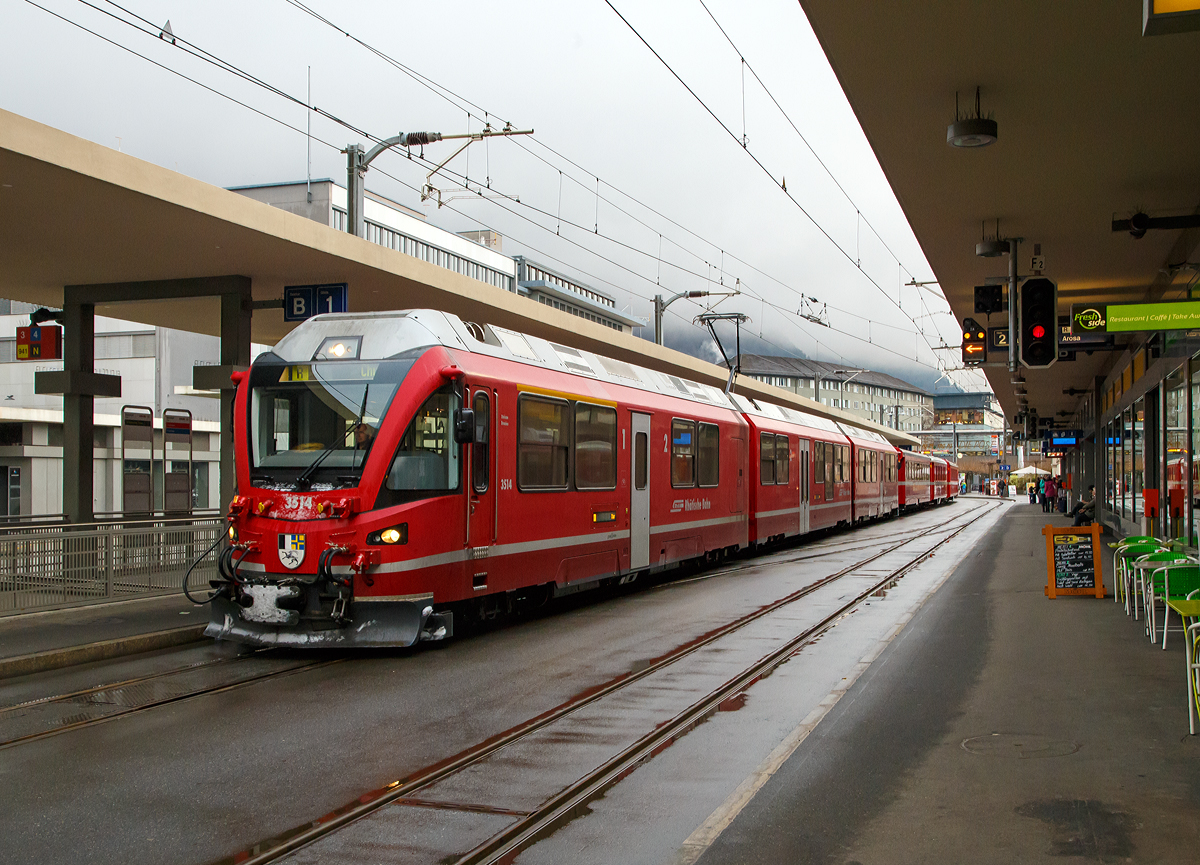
<point x="481" y="448"/>
<point x="819" y="465"/>
<point x="766" y="458"/>
<point x="595" y="447"/>
<point x="641" y="445"/>
<point x="683" y="453"/>
<point x="783" y="471"/>
<point x="708" y="455"/>
<point x="830" y="469"/>
<point x="427" y="459"/>
<point x="543" y="435"/>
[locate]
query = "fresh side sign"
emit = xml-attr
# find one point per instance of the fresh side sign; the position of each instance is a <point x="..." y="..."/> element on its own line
<point x="1089" y="318"/>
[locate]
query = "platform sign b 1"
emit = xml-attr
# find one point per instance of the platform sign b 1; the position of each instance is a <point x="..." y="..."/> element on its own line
<point x="302" y="302"/>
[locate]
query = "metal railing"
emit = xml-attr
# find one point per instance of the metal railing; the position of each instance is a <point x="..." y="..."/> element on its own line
<point x="53" y="566"/>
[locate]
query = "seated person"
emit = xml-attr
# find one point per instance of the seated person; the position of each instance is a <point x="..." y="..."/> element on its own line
<point x="1085" y="509"/>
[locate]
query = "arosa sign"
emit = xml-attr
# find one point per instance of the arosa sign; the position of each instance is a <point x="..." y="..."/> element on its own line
<point x="1126" y="317"/>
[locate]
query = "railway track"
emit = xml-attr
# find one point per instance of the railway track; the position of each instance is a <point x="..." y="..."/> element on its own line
<point x="447" y="786"/>
<point x="40" y="718"/>
<point x="36" y="719"/>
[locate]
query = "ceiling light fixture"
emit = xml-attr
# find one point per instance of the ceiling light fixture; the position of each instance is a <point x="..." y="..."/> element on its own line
<point x="992" y="247"/>
<point x="977" y="131"/>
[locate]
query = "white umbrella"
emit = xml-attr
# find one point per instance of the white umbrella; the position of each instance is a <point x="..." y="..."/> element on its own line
<point x="1029" y="470"/>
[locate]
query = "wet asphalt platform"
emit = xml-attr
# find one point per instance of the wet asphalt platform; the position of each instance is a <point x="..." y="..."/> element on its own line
<point x="959" y="715"/>
<point x="1000" y="726"/>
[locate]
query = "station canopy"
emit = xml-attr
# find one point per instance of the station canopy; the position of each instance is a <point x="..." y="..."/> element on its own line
<point x="1095" y="122"/>
<point x="73" y="212"/>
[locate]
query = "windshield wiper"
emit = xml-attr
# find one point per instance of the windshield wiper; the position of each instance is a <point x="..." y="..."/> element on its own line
<point x="304" y="479"/>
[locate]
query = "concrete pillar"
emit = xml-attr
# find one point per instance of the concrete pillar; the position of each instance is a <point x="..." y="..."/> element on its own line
<point x="236" y="312"/>
<point x="79" y="351"/>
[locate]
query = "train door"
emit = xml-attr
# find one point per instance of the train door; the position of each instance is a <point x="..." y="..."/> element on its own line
<point x="639" y="493"/>
<point x="482" y="513"/>
<point x="802" y="457"/>
<point x="738" y="503"/>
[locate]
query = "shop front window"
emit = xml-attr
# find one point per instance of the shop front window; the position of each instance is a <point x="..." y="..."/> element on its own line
<point x="1110" y="463"/>
<point x="1194" y="531"/>
<point x="1127" y="463"/>
<point x="1139" y="457"/>
<point x="1175" y="447"/>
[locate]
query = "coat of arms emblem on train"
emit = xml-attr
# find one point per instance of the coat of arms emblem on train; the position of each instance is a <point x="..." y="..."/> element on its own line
<point x="291" y="551"/>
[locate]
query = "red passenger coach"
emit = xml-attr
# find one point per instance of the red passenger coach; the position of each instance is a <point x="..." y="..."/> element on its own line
<point x="916" y="480"/>
<point x="875" y="474"/>
<point x="799" y="472"/>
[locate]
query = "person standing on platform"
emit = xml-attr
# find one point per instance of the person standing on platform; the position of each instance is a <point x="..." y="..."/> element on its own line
<point x="1041" y="492"/>
<point x="1050" y="494"/>
<point x="1062" y="496"/>
<point x="1032" y="490"/>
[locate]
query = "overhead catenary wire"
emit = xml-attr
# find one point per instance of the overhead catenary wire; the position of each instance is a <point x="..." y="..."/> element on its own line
<point x="458" y="100"/>
<point x="778" y="182"/>
<point x="200" y="53"/>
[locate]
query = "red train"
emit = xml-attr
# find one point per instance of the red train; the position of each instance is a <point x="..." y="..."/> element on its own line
<point x="398" y="469"/>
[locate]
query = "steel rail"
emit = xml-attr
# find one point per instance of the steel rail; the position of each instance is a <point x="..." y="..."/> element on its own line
<point x="154" y="704"/>
<point x="271" y="849"/>
<point x="126" y="683"/>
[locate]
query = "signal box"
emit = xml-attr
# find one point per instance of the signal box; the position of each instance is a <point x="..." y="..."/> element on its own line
<point x="39" y="342"/>
<point x="1039" y="323"/>
<point x="974" y="344"/>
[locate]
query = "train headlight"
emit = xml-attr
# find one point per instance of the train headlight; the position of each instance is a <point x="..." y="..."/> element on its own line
<point x="232" y="533"/>
<point x="390" y="536"/>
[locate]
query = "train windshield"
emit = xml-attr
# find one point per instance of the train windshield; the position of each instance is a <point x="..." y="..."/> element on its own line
<point x="313" y="424"/>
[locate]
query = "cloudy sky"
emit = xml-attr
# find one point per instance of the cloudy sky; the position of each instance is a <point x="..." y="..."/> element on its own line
<point x="630" y="182"/>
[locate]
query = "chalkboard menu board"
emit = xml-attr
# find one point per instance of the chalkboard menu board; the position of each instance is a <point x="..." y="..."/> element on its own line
<point x="1073" y="561"/>
<point x="1073" y="567"/>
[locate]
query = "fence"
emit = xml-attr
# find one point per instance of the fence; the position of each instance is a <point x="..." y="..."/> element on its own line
<point x="44" y="566"/>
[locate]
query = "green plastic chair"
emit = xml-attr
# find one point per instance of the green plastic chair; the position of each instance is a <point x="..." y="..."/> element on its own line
<point x="1123" y="559"/>
<point x="1116" y="547"/>
<point x="1151" y="586"/>
<point x="1179" y="583"/>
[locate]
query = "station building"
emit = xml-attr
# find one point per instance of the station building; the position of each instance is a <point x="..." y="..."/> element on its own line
<point x="475" y="254"/>
<point x="155" y="365"/>
<point x="870" y="395"/>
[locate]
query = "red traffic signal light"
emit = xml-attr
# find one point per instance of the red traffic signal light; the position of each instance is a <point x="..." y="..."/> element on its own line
<point x="1039" y="323"/>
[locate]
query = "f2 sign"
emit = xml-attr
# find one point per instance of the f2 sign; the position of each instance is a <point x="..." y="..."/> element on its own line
<point x="301" y="302"/>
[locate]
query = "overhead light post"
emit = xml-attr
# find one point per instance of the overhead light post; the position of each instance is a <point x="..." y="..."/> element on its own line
<point x="358" y="160"/>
